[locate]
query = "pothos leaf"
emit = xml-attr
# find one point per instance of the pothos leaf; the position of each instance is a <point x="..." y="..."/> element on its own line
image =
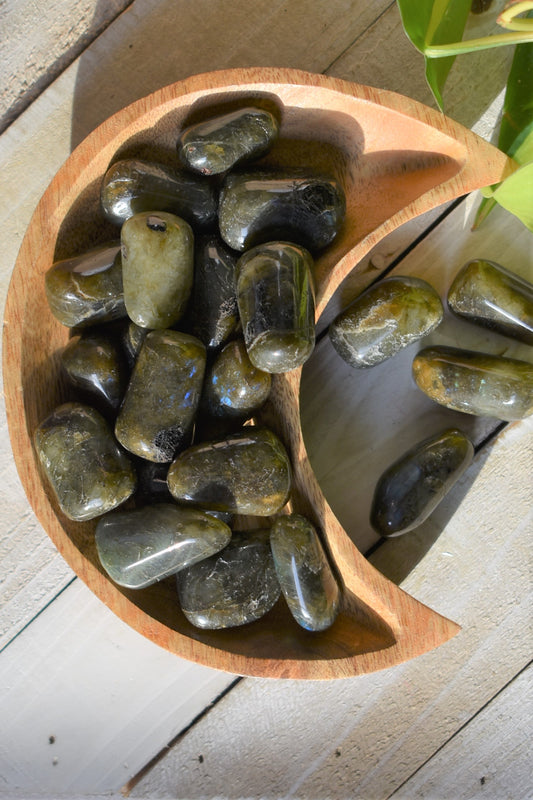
<point x="434" y="22"/>
<point x="516" y="194"/>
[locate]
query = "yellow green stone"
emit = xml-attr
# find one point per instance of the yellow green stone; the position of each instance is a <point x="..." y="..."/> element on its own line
<point x="304" y="573"/>
<point x="233" y="387"/>
<point x="145" y="545"/>
<point x="244" y="473"/>
<point x="236" y="586"/>
<point x="87" y="470"/>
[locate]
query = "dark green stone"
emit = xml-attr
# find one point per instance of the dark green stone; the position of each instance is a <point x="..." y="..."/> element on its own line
<point x="490" y="295"/>
<point x="276" y="301"/>
<point x="257" y="207"/>
<point x="152" y="484"/>
<point x="157" y="268"/>
<point x="87" y="289"/>
<point x="234" y="587"/>
<point x="233" y="387"/>
<point x="145" y="545"/>
<point x="411" y="488"/>
<point x="218" y="144"/>
<point x="132" y="340"/>
<point x="305" y="576"/>
<point x="158" y="412"/>
<point x="384" y="319"/>
<point x="476" y="383"/>
<point x="96" y="366"/>
<point x="133" y="185"/>
<point x="85" y="467"/>
<point x="245" y="473"/>
<point x="214" y="301"/>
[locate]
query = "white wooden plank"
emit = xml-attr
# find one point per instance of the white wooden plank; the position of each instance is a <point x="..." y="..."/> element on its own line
<point x="358" y="422"/>
<point x="491" y="757"/>
<point x="86" y="701"/>
<point x="39" y="39"/>
<point x="363" y="737"/>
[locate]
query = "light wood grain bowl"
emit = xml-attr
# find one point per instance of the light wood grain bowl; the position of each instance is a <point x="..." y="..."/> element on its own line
<point x="396" y="159"/>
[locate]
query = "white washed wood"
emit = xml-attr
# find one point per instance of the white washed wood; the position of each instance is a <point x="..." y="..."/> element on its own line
<point x="491" y="757"/>
<point x="109" y="698"/>
<point x="356" y="422"/>
<point x="363" y="737"/>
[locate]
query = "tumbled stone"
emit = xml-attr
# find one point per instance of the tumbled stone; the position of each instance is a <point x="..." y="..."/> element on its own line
<point x="133" y="338"/>
<point x="95" y="365"/>
<point x="218" y="144"/>
<point x="214" y="301"/>
<point x="305" y="576"/>
<point x="257" y="207"/>
<point x="487" y="294"/>
<point x="414" y="485"/>
<point x="384" y="319"/>
<point x="245" y="473"/>
<point x="233" y="387"/>
<point x="152" y="484"/>
<point x="87" y="289"/>
<point x="476" y="383"/>
<point x="276" y="301"/>
<point x="157" y="268"/>
<point x="134" y="185"/>
<point x="85" y="467"/>
<point x="161" y="401"/>
<point x="234" y="587"/>
<point x="145" y="545"/>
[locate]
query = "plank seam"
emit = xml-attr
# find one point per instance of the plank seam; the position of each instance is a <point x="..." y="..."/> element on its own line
<point x="363" y="33"/>
<point x="462" y="727"/>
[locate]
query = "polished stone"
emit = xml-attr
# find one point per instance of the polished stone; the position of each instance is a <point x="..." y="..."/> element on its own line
<point x="87" y="289"/>
<point x="157" y="268"/>
<point x="133" y="337"/>
<point x="475" y="383"/>
<point x="233" y="387"/>
<point x="276" y="301"/>
<point x="487" y="294"/>
<point x="234" y="587"/>
<point x="304" y="573"/>
<point x="162" y="398"/>
<point x="245" y="473"/>
<point x="85" y="467"/>
<point x="140" y="547"/>
<point x="96" y="366"/>
<point x="134" y="185"/>
<point x="215" y="316"/>
<point x="257" y="207"/>
<point x="414" y="485"/>
<point x="220" y="143"/>
<point x="386" y="318"/>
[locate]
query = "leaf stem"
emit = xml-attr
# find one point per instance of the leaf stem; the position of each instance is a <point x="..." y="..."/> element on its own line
<point x="472" y="45"/>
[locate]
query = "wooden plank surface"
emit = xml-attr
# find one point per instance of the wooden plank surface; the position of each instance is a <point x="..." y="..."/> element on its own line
<point x="368" y="735"/>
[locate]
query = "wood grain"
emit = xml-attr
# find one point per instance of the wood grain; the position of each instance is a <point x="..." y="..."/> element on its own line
<point x="368" y="136"/>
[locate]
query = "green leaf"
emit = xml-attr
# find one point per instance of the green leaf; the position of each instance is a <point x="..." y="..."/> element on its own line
<point x="434" y="22"/>
<point x="518" y="104"/>
<point x="516" y="194"/>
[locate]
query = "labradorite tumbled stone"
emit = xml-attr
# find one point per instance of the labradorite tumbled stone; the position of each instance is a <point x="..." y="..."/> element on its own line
<point x="384" y="319"/>
<point x="87" y="289"/>
<point x="157" y="268"/>
<point x="134" y="185"/>
<point x="258" y="207"/>
<point x="157" y="415"/>
<point x="218" y="144"/>
<point x="145" y="545"/>
<point x="476" y="383"/>
<point x="233" y="387"/>
<point x="87" y="470"/>
<point x="215" y="315"/>
<point x="276" y="301"/>
<point x="95" y="364"/>
<point x="132" y="340"/>
<point x="411" y="488"/>
<point x="236" y="586"/>
<point x="244" y="473"/>
<point x="487" y="294"/>
<point x="305" y="576"/>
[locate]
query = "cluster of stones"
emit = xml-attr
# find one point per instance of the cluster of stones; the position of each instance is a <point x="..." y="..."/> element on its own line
<point x="177" y="328"/>
<point x="398" y="311"/>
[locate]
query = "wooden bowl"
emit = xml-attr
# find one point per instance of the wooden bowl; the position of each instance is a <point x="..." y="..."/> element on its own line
<point x="396" y="159"/>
